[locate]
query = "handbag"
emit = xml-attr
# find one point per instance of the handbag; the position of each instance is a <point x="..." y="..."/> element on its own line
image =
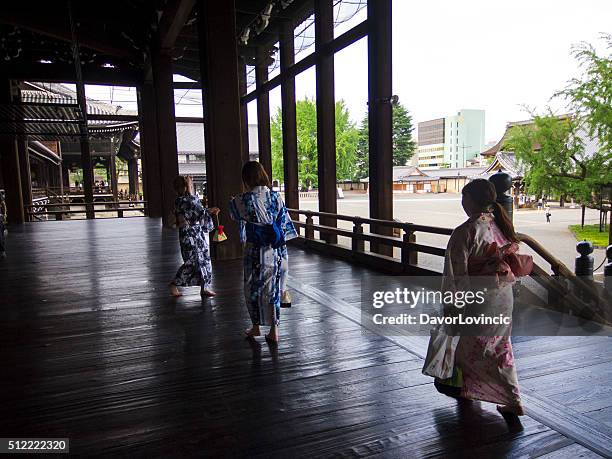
<point x="440" y="359"/>
<point x="219" y="234"/>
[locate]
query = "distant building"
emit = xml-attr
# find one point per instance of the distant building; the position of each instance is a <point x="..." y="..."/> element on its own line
<point x="453" y="141"/>
<point x="431" y="139"/>
<point x="411" y="179"/>
<point x="191" y="154"/>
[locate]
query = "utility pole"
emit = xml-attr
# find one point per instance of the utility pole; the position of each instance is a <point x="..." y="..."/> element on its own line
<point x="463" y="148"/>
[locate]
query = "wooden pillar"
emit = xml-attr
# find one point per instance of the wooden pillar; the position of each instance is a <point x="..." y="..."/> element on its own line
<point x="133" y="176"/>
<point x="112" y="166"/>
<point x="166" y="129"/>
<point x="10" y="163"/>
<point x="86" y="164"/>
<point x="147" y="112"/>
<point x="149" y="151"/>
<point x="26" y="176"/>
<point x="290" y="158"/>
<point x="380" y="118"/>
<point x="263" y="111"/>
<point x="219" y="70"/>
<point x="326" y="119"/>
<point x="244" y="112"/>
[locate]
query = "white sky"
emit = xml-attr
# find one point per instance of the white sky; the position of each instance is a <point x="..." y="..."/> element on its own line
<point x="448" y="55"/>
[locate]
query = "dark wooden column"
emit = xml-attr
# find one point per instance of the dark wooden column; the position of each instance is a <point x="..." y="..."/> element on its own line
<point x="86" y="163"/>
<point x="66" y="177"/>
<point x="326" y="118"/>
<point x="290" y="159"/>
<point x="219" y="70"/>
<point x="133" y="176"/>
<point x="380" y="117"/>
<point x="10" y="163"/>
<point x="263" y="111"/>
<point x="147" y="112"/>
<point x="166" y="129"/>
<point x="112" y="169"/>
<point x="26" y="176"/>
<point x="244" y="112"/>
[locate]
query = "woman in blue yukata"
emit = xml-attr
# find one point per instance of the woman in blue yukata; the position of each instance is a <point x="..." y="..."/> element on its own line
<point x="265" y="226"/>
<point x="193" y="221"/>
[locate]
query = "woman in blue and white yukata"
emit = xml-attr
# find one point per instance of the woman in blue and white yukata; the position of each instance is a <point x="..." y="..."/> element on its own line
<point x="265" y="267"/>
<point x="193" y="221"/>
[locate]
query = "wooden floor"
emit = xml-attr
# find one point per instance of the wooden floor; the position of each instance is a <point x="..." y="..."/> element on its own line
<point x="95" y="350"/>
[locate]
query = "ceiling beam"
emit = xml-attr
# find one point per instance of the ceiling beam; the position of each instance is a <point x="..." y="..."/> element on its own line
<point x="172" y="21"/>
<point x="64" y="73"/>
<point x="48" y="26"/>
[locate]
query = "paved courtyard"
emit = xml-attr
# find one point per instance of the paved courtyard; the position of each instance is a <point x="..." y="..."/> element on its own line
<point x="445" y="210"/>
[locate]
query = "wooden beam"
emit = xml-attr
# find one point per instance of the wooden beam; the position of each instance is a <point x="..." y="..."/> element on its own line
<point x="173" y="20"/>
<point x="64" y="73"/>
<point x="326" y="120"/>
<point x="346" y="39"/>
<point x="290" y="159"/>
<point x="51" y="27"/>
<point x="187" y="85"/>
<point x="263" y="112"/>
<point x="380" y="118"/>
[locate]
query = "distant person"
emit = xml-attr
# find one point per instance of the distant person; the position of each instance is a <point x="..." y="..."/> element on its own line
<point x="540" y="204"/>
<point x="2" y="227"/>
<point x="275" y="186"/>
<point x="76" y="184"/>
<point x="548" y="214"/>
<point x="265" y="226"/>
<point x="481" y="367"/>
<point x="193" y="221"/>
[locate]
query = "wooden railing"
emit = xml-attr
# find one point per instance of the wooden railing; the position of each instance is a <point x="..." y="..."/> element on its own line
<point x="62" y="210"/>
<point x="582" y="296"/>
<point x="406" y="243"/>
<point x="579" y="296"/>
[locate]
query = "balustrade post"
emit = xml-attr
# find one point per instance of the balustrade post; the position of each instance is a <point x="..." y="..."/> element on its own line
<point x="358" y="244"/>
<point x="309" y="230"/>
<point x="585" y="262"/>
<point x="584" y="267"/>
<point x="608" y="270"/>
<point x="409" y="256"/>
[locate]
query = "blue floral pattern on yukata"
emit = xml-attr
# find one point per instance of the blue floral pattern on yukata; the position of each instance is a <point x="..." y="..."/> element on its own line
<point x="196" y="268"/>
<point x="264" y="267"/>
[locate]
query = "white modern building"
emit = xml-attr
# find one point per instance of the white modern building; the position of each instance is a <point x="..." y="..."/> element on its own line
<point x="451" y="141"/>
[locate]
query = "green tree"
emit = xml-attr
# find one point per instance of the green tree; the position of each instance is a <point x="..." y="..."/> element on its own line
<point x="404" y="145"/>
<point x="553" y="155"/>
<point x="306" y="124"/>
<point x="590" y="96"/>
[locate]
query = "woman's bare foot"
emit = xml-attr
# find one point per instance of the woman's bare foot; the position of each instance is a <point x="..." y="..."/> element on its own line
<point x="207" y="292"/>
<point x="174" y="291"/>
<point x="516" y="410"/>
<point x="252" y="332"/>
<point x="273" y="337"/>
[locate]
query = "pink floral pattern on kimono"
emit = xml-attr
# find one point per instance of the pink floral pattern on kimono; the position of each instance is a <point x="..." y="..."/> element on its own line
<point x="486" y="362"/>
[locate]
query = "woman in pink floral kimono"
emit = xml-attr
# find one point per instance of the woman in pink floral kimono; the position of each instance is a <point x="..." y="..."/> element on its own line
<point x="485" y="245"/>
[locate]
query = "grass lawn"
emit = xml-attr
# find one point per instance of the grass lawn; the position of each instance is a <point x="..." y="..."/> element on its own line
<point x="591" y="233"/>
